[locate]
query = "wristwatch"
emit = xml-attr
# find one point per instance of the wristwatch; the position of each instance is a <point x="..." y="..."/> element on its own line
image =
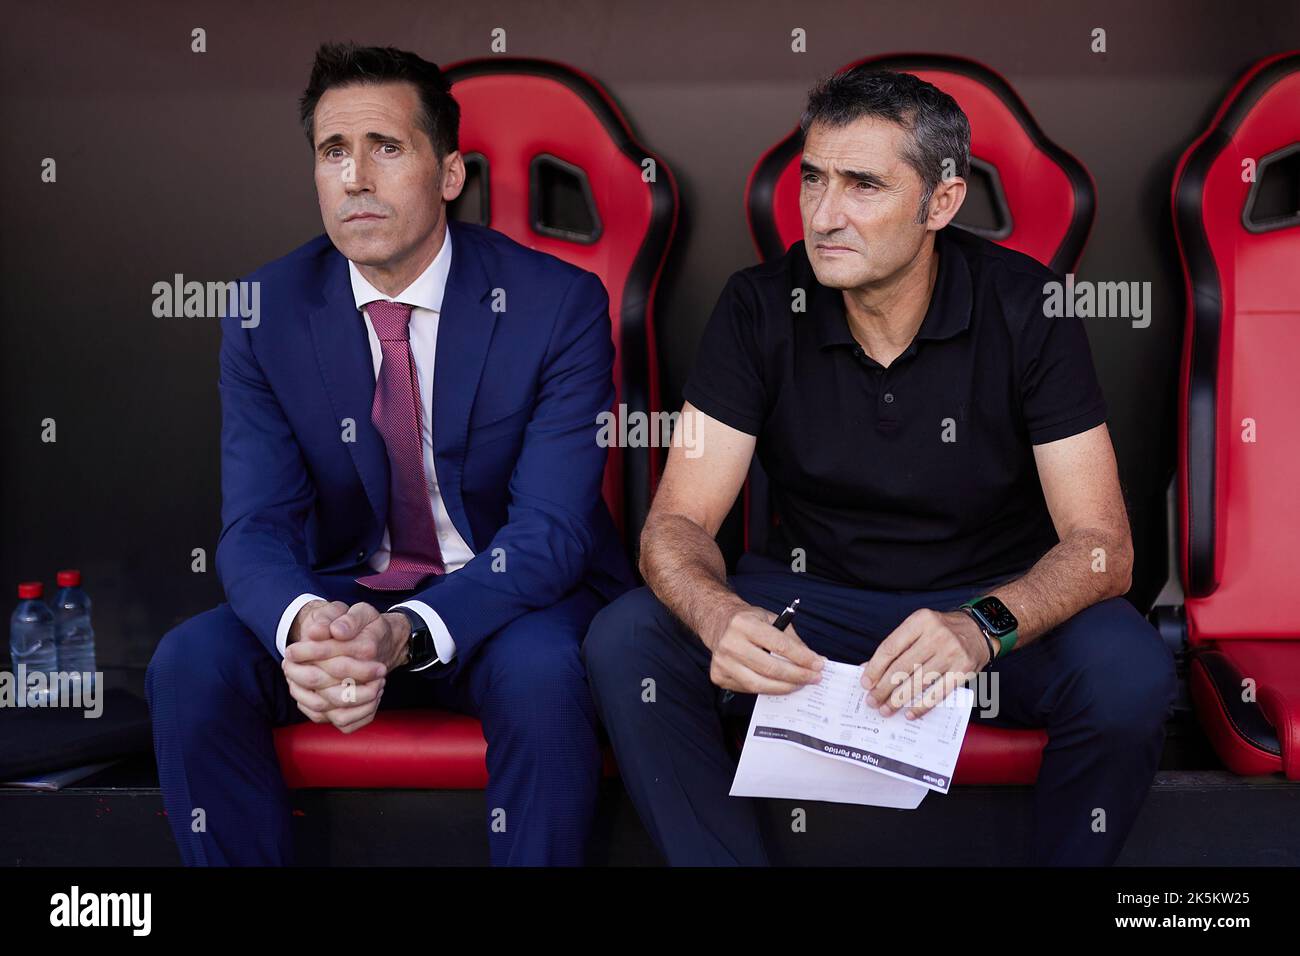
<point x="995" y="620"/>
<point x="420" y="649"/>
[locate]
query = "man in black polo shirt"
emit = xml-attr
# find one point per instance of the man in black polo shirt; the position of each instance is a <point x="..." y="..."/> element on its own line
<point x="932" y="438"/>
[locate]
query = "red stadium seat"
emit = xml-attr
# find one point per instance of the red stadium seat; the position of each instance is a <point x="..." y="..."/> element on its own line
<point x="1041" y="201"/>
<point x="1236" y="201"/>
<point x="553" y="164"/>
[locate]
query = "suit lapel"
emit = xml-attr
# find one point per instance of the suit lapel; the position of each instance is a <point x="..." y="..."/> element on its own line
<point x="343" y="353"/>
<point x="465" y="328"/>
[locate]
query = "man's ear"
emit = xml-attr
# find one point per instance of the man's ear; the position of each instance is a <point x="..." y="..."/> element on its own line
<point x="947" y="198"/>
<point x="453" y="175"/>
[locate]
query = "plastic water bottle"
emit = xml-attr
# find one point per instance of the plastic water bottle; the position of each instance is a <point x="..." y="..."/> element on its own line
<point x="73" y="634"/>
<point x="31" y="642"/>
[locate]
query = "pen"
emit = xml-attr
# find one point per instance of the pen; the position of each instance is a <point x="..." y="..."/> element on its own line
<point x="781" y="623"/>
<point x="785" y="617"/>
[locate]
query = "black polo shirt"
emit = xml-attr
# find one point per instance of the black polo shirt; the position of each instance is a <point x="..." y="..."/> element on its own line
<point x="921" y="475"/>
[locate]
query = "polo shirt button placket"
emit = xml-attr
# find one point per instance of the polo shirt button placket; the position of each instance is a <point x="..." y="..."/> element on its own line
<point x="886" y="411"/>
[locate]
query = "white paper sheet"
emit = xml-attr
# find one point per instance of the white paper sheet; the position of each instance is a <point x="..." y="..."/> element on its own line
<point x="771" y="768"/>
<point x="822" y="742"/>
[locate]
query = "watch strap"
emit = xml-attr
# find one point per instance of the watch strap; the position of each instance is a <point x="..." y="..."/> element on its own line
<point x="1005" y="641"/>
<point x="993" y="648"/>
<point x="419" y="626"/>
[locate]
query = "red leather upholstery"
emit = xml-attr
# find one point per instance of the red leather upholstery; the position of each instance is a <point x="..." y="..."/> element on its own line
<point x="514" y="111"/>
<point x="1247" y="696"/>
<point x="435" y="750"/>
<point x="399" y="749"/>
<point x="1237" y="522"/>
<point x="517" y="110"/>
<point x="1049" y="202"/>
<point x="999" y="755"/>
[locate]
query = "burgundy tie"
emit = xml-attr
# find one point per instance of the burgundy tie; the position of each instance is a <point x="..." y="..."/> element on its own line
<point x="396" y="413"/>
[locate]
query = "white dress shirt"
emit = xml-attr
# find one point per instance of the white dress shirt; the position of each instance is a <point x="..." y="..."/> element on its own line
<point x="425" y="295"/>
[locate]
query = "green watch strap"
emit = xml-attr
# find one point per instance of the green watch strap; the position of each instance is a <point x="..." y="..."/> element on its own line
<point x="1005" y="641"/>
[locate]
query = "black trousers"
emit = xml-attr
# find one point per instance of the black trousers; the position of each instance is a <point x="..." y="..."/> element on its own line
<point x="1101" y="683"/>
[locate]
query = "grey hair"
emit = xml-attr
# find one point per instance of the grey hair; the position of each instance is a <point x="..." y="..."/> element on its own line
<point x="938" y="128"/>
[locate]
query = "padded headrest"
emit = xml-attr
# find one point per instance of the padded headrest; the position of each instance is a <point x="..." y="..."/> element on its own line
<point x="554" y="165"/>
<point x="1043" y="194"/>
<point x="1236" y="198"/>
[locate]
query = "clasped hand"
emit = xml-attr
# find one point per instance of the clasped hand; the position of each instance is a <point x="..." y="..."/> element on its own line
<point x="338" y="659"/>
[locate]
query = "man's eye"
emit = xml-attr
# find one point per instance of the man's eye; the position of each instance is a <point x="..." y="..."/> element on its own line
<point x="866" y="185"/>
<point x="810" y="178"/>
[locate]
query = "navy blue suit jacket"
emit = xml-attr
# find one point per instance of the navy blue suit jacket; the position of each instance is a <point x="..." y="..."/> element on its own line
<point x="516" y="394"/>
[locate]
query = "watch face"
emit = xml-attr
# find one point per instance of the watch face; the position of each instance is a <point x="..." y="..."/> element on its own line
<point x="999" y="618"/>
<point x="421" y="645"/>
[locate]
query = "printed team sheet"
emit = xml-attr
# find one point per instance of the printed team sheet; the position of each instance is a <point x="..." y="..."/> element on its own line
<point x="823" y="742"/>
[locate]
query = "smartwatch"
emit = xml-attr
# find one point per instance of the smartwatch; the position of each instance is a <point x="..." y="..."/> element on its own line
<point x="995" y="620"/>
<point x="423" y="654"/>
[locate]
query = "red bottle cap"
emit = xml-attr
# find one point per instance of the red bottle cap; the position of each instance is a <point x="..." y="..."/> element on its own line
<point x="69" y="579"/>
<point x="30" y="589"/>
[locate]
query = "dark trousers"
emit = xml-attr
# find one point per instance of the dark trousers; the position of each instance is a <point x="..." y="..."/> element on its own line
<point x="215" y="694"/>
<point x="1102" y="684"/>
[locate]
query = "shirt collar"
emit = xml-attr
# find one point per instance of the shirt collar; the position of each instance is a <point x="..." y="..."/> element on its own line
<point x="949" y="311"/>
<point x="424" y="293"/>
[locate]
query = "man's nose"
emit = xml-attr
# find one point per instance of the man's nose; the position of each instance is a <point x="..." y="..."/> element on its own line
<point x="828" y="214"/>
<point x="357" y="178"/>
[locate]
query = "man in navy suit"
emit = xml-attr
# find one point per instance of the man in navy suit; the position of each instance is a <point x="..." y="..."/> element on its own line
<point x="411" y="481"/>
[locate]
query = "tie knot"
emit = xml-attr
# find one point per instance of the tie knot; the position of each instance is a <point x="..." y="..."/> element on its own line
<point x="392" y="320"/>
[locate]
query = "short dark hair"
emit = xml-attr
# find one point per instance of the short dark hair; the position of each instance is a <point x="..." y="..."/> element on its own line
<point x="346" y="64"/>
<point x="938" y="127"/>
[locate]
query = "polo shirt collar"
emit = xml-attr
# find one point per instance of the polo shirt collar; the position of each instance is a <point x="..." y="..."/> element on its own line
<point x="948" y="314"/>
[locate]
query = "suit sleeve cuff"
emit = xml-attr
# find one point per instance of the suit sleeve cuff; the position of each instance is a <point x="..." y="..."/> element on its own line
<point x="286" y="619"/>
<point x="442" y="642"/>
